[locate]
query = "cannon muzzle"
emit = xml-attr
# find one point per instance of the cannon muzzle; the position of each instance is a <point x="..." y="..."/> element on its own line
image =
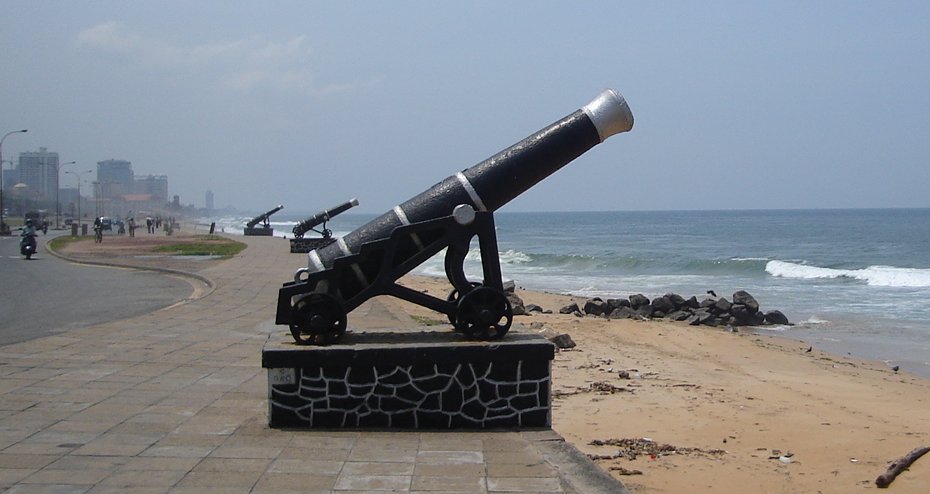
<point x="322" y="217"/>
<point x="263" y="218"/>
<point x="497" y="180"/>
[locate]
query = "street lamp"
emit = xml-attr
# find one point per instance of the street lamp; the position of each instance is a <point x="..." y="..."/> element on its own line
<point x="3" y="228"/>
<point x="78" y="175"/>
<point x="96" y="199"/>
<point x="57" y="189"/>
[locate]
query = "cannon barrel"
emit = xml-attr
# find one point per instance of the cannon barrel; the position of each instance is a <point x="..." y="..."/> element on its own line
<point x="495" y="181"/>
<point x="323" y="216"/>
<point x="262" y="217"/>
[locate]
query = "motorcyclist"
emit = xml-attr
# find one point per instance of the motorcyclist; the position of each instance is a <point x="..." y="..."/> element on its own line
<point x="28" y="237"/>
<point x="28" y="229"/>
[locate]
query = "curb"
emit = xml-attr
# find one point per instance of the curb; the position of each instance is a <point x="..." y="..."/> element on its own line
<point x="210" y="284"/>
<point x="574" y="467"/>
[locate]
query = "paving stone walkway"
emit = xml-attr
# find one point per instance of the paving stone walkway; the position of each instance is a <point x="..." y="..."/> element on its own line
<point x="176" y="401"/>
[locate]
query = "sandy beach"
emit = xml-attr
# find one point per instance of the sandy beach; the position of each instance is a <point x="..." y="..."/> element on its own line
<point x="666" y="407"/>
<point x="727" y="412"/>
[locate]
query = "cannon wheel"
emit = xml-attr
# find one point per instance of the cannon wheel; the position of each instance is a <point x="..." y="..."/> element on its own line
<point x="484" y="314"/>
<point x="317" y="319"/>
<point x="454" y="298"/>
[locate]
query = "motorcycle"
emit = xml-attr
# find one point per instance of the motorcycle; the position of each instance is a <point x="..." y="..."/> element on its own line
<point x="27" y="244"/>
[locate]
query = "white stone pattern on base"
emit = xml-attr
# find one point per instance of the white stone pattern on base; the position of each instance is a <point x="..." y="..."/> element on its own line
<point x="454" y="395"/>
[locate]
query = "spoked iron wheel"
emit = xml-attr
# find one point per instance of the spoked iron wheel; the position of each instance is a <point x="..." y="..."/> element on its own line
<point x="484" y="314"/>
<point x="317" y="319"/>
<point x="454" y="297"/>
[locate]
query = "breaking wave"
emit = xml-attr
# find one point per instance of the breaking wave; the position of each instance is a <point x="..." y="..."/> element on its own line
<point x="887" y="276"/>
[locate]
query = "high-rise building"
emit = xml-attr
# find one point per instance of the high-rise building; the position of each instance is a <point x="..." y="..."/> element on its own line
<point x="114" y="178"/>
<point x="156" y="185"/>
<point x="39" y="170"/>
<point x="209" y="200"/>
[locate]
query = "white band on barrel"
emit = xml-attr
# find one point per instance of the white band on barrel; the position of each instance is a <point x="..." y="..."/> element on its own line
<point x="343" y="247"/>
<point x="315" y="263"/>
<point x="402" y="216"/>
<point x="472" y="193"/>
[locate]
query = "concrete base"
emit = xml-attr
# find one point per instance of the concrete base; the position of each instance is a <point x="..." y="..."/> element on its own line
<point x="410" y="380"/>
<point x="305" y="245"/>
<point x="258" y="231"/>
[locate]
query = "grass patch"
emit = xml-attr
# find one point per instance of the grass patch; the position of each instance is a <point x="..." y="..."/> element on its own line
<point x="204" y="245"/>
<point x="58" y="243"/>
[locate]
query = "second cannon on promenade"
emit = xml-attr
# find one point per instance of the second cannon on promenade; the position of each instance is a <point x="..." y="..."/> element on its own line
<point x="301" y="245"/>
<point x="368" y="262"/>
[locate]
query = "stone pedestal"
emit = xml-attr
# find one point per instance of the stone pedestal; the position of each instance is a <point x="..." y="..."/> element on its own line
<point x="258" y="231"/>
<point x="305" y="245"/>
<point x="410" y="380"/>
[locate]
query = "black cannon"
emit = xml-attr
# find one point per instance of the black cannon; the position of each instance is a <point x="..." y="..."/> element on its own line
<point x="302" y="245"/>
<point x="368" y="261"/>
<point x="263" y="230"/>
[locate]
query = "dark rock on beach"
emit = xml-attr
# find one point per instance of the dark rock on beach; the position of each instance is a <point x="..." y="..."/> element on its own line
<point x="563" y="341"/>
<point x="722" y="306"/>
<point x="616" y="303"/>
<point x="622" y="313"/>
<point x="744" y="298"/>
<point x="533" y="308"/>
<point x="596" y="307"/>
<point x="664" y="304"/>
<point x="570" y="309"/>
<point x="776" y="317"/>
<point x="741" y="314"/>
<point x="711" y="311"/>
<point x="638" y="300"/>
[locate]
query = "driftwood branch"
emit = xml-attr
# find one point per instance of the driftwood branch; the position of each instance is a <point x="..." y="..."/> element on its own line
<point x="898" y="466"/>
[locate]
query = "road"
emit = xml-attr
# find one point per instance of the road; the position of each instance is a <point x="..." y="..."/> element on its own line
<point x="48" y="295"/>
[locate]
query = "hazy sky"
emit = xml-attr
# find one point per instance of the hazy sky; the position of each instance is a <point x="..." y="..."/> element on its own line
<point x="307" y="104"/>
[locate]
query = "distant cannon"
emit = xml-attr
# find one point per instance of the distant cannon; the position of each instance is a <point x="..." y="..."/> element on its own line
<point x="302" y="245"/>
<point x="368" y="261"/>
<point x="265" y="229"/>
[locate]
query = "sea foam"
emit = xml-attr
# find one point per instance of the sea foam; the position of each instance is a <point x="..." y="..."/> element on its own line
<point x="888" y="276"/>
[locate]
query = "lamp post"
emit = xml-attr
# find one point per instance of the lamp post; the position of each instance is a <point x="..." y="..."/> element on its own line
<point x="78" y="175"/>
<point x="96" y="199"/>
<point x="57" y="191"/>
<point x="3" y="228"/>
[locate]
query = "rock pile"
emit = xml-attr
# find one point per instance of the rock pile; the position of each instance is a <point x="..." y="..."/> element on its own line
<point x="742" y="310"/>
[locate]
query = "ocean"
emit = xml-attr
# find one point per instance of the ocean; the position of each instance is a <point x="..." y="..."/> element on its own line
<point x="853" y="281"/>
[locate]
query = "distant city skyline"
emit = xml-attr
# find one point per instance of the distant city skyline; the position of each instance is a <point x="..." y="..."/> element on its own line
<point x="738" y="105"/>
<point x="39" y="177"/>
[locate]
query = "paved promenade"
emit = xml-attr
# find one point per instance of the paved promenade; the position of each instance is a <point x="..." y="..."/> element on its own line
<point x="176" y="401"/>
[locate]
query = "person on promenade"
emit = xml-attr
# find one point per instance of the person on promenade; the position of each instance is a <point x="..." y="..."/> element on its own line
<point x="132" y="227"/>
<point x="98" y="230"/>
